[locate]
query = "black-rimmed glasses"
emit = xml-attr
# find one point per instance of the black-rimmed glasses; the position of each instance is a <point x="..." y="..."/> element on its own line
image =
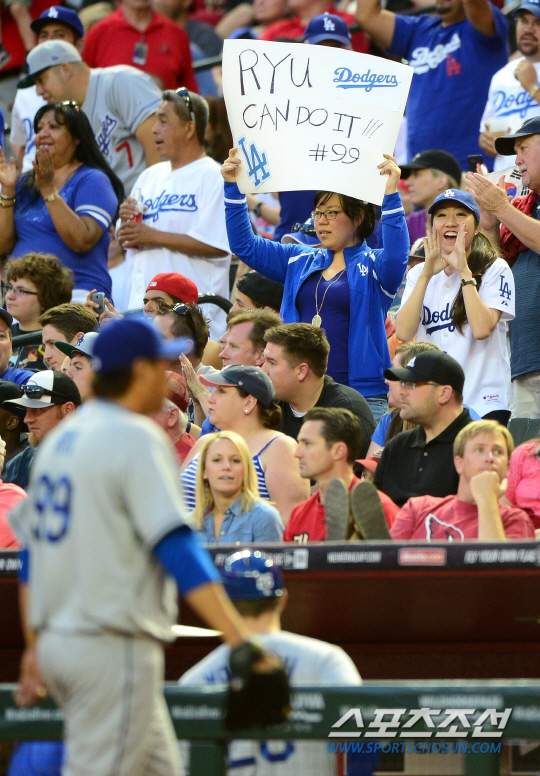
<point x="20" y="291"/>
<point x="184" y="94"/>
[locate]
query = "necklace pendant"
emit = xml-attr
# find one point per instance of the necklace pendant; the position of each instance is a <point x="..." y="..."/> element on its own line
<point x="316" y="321"/>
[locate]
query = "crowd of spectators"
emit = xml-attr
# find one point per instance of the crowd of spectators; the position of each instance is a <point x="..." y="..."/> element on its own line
<point x="361" y="385"/>
<point x="360" y="343"/>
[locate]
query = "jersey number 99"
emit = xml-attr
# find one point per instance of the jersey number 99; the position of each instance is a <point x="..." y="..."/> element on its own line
<point x="52" y="502"/>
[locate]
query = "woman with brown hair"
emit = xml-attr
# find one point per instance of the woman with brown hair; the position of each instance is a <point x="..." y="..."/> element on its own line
<point x="243" y="401"/>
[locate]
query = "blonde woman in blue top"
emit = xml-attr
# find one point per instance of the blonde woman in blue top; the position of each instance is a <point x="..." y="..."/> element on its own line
<point x="228" y="507"/>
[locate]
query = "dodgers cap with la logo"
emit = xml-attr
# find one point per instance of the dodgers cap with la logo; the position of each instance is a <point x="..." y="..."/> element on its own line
<point x="327" y="26"/>
<point x="454" y="196"/>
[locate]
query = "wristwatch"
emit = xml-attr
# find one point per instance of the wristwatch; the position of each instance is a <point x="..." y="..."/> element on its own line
<point x="471" y="282"/>
<point x="257" y="209"/>
<point x="534" y="89"/>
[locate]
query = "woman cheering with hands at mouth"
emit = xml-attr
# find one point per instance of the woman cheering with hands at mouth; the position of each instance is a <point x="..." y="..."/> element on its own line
<point x="461" y="299"/>
<point x="66" y="204"/>
<point x="343" y="286"/>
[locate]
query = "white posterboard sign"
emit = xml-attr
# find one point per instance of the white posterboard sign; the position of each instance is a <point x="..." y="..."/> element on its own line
<point x="312" y="117"/>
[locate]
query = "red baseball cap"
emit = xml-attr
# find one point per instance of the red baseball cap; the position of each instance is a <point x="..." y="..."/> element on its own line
<point x="176" y="285"/>
<point x="371" y="463"/>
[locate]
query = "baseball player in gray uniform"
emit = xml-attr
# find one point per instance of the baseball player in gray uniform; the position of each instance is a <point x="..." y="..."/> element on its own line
<point x="255" y="585"/>
<point x="120" y="103"/>
<point x="105" y="540"/>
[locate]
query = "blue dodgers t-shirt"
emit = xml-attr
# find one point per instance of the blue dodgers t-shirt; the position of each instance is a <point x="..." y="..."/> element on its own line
<point x="453" y="67"/>
<point x="89" y="193"/>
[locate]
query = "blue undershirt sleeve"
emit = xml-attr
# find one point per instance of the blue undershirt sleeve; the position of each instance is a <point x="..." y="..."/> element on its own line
<point x="182" y="555"/>
<point x="24" y="571"/>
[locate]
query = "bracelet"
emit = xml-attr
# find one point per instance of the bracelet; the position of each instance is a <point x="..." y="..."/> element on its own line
<point x="51" y="197"/>
<point x="5" y="197"/>
<point x="534" y="89"/>
<point x="7" y="204"/>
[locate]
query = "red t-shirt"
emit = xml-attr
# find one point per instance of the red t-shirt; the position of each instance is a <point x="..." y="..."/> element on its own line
<point x="306" y="523"/>
<point x="184" y="445"/>
<point x="9" y="496"/>
<point x="112" y="41"/>
<point x="293" y="29"/>
<point x="449" y="519"/>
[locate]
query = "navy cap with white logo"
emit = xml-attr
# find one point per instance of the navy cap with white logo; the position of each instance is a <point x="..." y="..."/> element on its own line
<point x="456" y="195"/>
<point x="327" y="26"/>
<point x="60" y="14"/>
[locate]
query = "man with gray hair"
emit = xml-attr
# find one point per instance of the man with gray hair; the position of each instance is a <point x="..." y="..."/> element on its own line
<point x="183" y="220"/>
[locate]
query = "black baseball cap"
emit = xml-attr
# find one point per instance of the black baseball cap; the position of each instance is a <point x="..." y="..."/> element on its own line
<point x="251" y="379"/>
<point x="434" y="365"/>
<point x="263" y="291"/>
<point x="505" y="144"/>
<point x="436" y="160"/>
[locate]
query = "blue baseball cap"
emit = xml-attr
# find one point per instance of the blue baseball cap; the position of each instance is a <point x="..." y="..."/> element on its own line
<point x="251" y="576"/>
<point x="122" y="342"/>
<point x="58" y="13"/>
<point x="505" y="145"/>
<point x="532" y="6"/>
<point x="456" y="195"/>
<point x="327" y="26"/>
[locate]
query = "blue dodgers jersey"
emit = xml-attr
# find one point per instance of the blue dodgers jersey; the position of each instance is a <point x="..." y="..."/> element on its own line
<point x="453" y="68"/>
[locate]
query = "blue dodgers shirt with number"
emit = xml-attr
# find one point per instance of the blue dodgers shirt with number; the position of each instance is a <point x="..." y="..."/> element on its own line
<point x="453" y="67"/>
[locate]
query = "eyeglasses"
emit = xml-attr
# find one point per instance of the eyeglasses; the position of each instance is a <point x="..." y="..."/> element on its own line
<point x="410" y="386"/>
<point x="20" y="291"/>
<point x="71" y="104"/>
<point x="184" y="94"/>
<point x="330" y="215"/>
<point x="37" y="392"/>
<point x="305" y="229"/>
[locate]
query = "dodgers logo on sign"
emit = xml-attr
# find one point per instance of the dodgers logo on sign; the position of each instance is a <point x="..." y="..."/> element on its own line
<point x="257" y="162"/>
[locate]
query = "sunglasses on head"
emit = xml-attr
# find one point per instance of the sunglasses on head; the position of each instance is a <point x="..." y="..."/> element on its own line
<point x="184" y="94"/>
<point x="305" y="229"/>
<point x="37" y="392"/>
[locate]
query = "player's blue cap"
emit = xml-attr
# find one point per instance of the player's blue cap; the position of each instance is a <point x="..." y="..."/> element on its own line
<point x="58" y="13"/>
<point x="85" y="345"/>
<point x="122" y="342"/>
<point x="453" y="196"/>
<point x="250" y="575"/>
<point x="327" y="26"/>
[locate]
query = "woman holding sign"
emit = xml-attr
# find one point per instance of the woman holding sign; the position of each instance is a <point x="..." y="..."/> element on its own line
<point x="343" y="286"/>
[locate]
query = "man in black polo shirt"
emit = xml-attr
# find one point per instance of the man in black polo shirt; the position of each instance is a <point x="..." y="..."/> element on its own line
<point x="420" y="462"/>
<point x="296" y="358"/>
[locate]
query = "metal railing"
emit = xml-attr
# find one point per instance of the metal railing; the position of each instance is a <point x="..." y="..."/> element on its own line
<point x="197" y="716"/>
